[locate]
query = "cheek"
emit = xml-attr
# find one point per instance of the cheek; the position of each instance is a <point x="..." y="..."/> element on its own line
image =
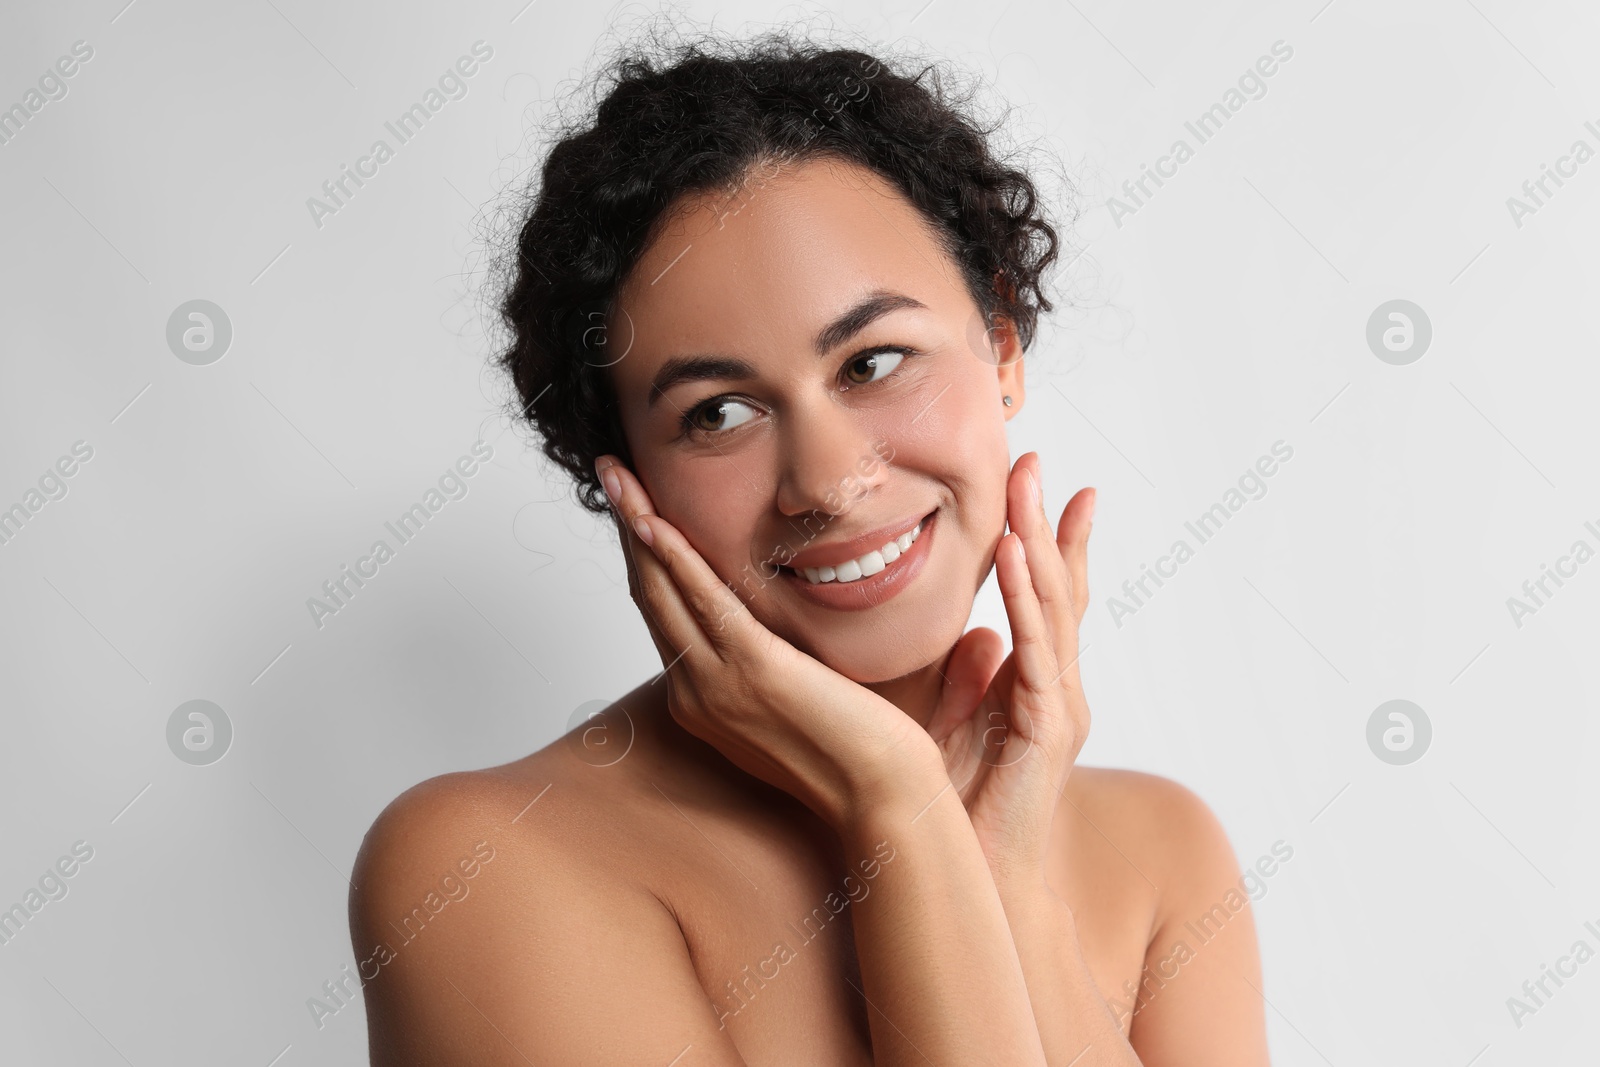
<point x="981" y="422"/>
<point x="965" y="426"/>
<point x="712" y="504"/>
<point x="970" y="437"/>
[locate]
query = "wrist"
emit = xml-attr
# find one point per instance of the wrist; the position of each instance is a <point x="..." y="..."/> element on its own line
<point x="903" y="786"/>
<point x="1033" y="901"/>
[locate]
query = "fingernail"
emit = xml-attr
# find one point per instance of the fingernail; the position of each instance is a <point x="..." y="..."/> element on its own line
<point x="1094" y="502"/>
<point x="642" y="528"/>
<point x="1033" y="485"/>
<point x="613" y="485"/>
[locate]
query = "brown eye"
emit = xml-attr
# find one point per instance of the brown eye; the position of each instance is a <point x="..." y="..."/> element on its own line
<point x="715" y="416"/>
<point x="872" y="366"/>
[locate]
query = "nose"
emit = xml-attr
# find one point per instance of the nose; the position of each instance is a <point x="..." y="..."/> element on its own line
<point x="828" y="460"/>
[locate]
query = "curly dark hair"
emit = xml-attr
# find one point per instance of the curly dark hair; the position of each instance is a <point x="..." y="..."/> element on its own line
<point x="695" y="116"/>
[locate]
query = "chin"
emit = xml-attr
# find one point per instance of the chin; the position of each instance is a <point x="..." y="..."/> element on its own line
<point x="895" y="655"/>
<point x="879" y="673"/>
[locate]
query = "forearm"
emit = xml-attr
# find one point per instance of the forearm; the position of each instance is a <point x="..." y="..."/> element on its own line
<point x="1076" y="1025"/>
<point x="938" y="962"/>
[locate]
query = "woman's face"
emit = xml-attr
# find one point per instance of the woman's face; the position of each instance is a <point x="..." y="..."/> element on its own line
<point x="852" y="391"/>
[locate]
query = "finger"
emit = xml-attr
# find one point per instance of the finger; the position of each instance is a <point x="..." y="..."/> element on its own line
<point x="1052" y="585"/>
<point x="968" y="670"/>
<point x="630" y="550"/>
<point x="1031" y="643"/>
<point x="1051" y="582"/>
<point x="698" y="607"/>
<point x="670" y="624"/>
<point x="1072" y="535"/>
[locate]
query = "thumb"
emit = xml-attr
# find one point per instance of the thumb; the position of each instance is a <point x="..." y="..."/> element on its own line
<point x="968" y="670"/>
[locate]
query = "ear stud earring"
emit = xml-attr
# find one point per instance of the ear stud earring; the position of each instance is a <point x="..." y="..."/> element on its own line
<point x="1006" y="400"/>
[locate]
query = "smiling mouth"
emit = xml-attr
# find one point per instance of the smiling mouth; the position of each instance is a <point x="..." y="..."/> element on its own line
<point x="865" y="565"/>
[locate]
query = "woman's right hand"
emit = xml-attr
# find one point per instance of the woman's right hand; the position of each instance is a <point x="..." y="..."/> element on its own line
<point x="774" y="711"/>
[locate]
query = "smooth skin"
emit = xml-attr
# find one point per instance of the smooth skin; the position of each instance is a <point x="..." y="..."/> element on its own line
<point x="1027" y="900"/>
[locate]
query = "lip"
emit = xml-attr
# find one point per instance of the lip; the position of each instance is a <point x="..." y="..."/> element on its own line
<point x="844" y="551"/>
<point x="870" y="592"/>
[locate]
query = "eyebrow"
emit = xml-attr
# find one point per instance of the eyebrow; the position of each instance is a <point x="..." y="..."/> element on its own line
<point x="681" y="369"/>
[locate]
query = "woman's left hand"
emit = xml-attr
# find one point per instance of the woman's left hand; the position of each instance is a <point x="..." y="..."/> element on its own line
<point x="1010" y="729"/>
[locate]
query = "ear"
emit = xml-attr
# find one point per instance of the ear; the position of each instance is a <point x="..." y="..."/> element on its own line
<point x="1008" y="353"/>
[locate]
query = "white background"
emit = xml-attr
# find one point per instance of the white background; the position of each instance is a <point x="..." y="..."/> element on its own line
<point x="1228" y="313"/>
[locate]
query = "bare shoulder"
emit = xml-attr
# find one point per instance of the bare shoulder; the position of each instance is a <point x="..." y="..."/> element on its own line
<point x="1165" y="822"/>
<point x="541" y="806"/>
<point x="435" y="862"/>
<point x="1201" y="967"/>
<point x="435" y="819"/>
<point x="1140" y="847"/>
<point x="533" y="821"/>
<point x="488" y="911"/>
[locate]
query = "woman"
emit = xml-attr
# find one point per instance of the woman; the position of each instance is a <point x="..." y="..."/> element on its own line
<point x="769" y="309"/>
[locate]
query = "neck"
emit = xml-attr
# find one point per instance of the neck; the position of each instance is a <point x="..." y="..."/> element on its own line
<point x="917" y="694"/>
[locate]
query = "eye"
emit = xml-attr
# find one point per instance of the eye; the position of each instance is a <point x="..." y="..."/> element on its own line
<point x="723" y="413"/>
<point x="716" y="415"/>
<point x="874" y="365"/>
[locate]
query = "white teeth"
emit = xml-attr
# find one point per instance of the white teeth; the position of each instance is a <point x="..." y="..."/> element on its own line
<point x="864" y="566"/>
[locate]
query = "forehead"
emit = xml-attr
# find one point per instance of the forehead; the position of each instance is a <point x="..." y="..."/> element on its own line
<point x="757" y="272"/>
